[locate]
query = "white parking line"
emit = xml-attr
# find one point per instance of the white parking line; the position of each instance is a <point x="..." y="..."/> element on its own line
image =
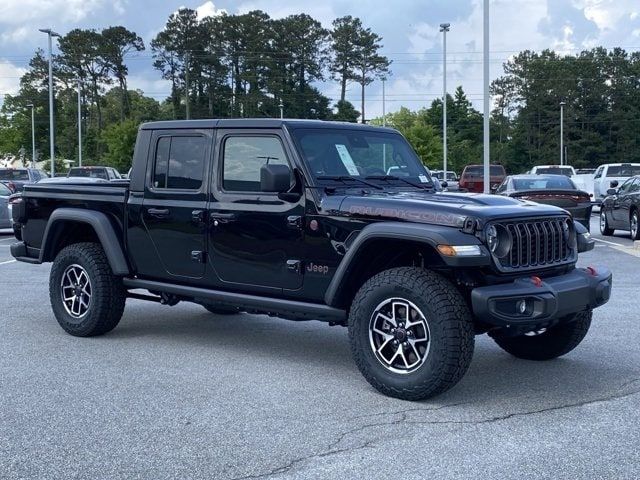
<point x="8" y="261"/>
<point x="608" y="242"/>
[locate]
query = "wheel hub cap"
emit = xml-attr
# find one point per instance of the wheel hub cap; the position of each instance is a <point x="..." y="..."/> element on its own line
<point x="399" y="335"/>
<point x="75" y="291"/>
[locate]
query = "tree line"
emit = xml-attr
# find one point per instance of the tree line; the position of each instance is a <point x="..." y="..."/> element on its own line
<point x="251" y="65"/>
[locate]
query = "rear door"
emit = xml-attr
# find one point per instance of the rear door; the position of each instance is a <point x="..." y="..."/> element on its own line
<point x="174" y="204"/>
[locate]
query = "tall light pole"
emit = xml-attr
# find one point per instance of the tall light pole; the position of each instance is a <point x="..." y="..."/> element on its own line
<point x="486" y="80"/>
<point x="384" y="103"/>
<point x="186" y="84"/>
<point x="281" y="106"/>
<point x="79" y="122"/>
<point x="50" y="33"/>
<point x="562" y="104"/>
<point x="444" y="28"/>
<point x="33" y="135"/>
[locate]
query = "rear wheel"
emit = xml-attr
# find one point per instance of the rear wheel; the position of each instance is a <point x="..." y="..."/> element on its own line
<point x="547" y="344"/>
<point x="86" y="297"/>
<point x="633" y="227"/>
<point x="411" y="333"/>
<point x="604" y="224"/>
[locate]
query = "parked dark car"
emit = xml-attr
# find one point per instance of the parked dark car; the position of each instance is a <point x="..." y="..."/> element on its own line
<point x="303" y="220"/>
<point x="17" y="178"/>
<point x="620" y="208"/>
<point x="105" y="173"/>
<point x="472" y="178"/>
<point x="558" y="190"/>
<point x="5" y="214"/>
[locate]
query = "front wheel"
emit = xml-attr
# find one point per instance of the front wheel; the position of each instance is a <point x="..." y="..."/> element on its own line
<point x="547" y="344"/>
<point x="604" y="224"/>
<point x="411" y="333"/>
<point x="86" y="297"/>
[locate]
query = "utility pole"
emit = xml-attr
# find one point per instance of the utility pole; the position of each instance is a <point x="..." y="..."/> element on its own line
<point x="33" y="135"/>
<point x="444" y="28"/>
<point x="50" y="33"/>
<point x="384" y="103"/>
<point x="486" y="80"/>
<point x="79" y="122"/>
<point x="562" y="104"/>
<point x="186" y="81"/>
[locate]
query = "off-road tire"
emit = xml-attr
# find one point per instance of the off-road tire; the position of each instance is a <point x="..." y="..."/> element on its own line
<point x="604" y="224"/>
<point x="450" y="330"/>
<point x="553" y="343"/>
<point x="108" y="295"/>
<point x="219" y="310"/>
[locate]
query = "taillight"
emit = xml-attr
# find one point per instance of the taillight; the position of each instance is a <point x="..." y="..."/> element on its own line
<point x="11" y="186"/>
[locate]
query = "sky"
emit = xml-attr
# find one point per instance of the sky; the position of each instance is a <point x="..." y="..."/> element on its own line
<point x="409" y="28"/>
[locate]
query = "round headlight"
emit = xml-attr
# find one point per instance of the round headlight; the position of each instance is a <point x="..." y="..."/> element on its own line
<point x="492" y="238"/>
<point x="498" y="240"/>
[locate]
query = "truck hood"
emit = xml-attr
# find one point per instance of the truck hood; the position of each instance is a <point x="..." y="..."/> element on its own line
<point x="441" y="208"/>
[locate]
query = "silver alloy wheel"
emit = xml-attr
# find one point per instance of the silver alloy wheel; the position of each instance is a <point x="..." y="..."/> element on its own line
<point x="75" y="291"/>
<point x="603" y="221"/>
<point x="634" y="225"/>
<point x="399" y="335"/>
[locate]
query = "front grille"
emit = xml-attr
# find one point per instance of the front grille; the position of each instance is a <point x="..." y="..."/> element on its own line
<point x="538" y="243"/>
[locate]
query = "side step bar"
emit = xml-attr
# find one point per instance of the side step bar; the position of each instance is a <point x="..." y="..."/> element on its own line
<point x="276" y="306"/>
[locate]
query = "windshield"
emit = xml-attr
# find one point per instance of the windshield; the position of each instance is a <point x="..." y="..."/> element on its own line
<point x="440" y="175"/>
<point x="544" y="183"/>
<point x="11" y="174"/>
<point x="359" y="154"/>
<point x="89" y="172"/>
<point x="554" y="171"/>
<point x="478" y="170"/>
<point x="623" y="170"/>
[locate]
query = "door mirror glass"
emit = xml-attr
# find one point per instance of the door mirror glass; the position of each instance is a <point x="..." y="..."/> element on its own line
<point x="614" y="184"/>
<point x="275" y="178"/>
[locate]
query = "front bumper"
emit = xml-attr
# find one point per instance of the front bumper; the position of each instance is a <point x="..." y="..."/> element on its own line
<point x="545" y="301"/>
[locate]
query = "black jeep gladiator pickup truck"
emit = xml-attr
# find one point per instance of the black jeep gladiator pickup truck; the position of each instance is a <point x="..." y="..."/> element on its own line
<point x="315" y="220"/>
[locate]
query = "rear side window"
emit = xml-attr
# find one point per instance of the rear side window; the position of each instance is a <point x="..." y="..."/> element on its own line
<point x="623" y="171"/>
<point x="11" y="174"/>
<point x="243" y="158"/>
<point x="179" y="162"/>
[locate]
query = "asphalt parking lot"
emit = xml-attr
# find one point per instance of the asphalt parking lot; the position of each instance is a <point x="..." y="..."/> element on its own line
<point x="176" y="392"/>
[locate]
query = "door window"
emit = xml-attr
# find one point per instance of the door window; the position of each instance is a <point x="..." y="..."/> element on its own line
<point x="625" y="187"/>
<point x="243" y="158"/>
<point x="179" y="162"/>
<point x="598" y="173"/>
<point x="635" y="186"/>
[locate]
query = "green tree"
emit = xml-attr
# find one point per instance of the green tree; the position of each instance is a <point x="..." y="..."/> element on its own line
<point x="370" y="64"/>
<point x="345" y="112"/>
<point x="344" y="36"/>
<point x="119" y="140"/>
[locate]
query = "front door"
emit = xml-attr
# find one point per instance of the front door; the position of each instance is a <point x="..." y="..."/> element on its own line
<point x="175" y="202"/>
<point x="256" y="239"/>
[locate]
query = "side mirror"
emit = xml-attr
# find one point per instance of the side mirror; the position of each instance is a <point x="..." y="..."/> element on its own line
<point x="614" y="184"/>
<point x="612" y="191"/>
<point x="275" y="178"/>
<point x="494" y="189"/>
<point x="444" y="184"/>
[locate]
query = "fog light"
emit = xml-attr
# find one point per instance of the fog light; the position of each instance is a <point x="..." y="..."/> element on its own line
<point x="521" y="306"/>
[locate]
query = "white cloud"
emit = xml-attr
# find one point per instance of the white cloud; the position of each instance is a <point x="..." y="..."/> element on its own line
<point x="606" y="14"/>
<point x="321" y="11"/>
<point x="9" y="77"/>
<point x="151" y="85"/>
<point x="208" y="9"/>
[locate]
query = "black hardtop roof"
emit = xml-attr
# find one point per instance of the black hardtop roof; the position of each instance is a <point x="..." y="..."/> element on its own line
<point x="291" y="124"/>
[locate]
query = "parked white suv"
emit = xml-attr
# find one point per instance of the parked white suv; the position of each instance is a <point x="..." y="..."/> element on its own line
<point x="612" y="172"/>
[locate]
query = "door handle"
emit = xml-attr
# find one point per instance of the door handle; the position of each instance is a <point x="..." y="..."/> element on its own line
<point x="158" y="212"/>
<point x="197" y="216"/>
<point x="218" y="218"/>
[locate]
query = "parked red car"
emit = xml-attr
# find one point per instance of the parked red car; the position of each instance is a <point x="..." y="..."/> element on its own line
<point x="472" y="178"/>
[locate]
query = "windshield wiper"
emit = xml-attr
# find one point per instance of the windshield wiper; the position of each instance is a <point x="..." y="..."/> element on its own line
<point x="346" y="179"/>
<point x="393" y="177"/>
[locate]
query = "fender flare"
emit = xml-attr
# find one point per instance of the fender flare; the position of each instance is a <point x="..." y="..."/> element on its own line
<point x="426" y="234"/>
<point x="100" y="224"/>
